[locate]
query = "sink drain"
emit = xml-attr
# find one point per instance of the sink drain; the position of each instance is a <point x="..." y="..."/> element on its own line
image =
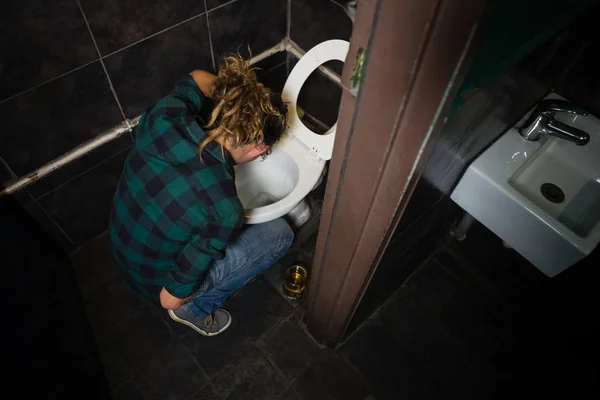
<point x="552" y="193"/>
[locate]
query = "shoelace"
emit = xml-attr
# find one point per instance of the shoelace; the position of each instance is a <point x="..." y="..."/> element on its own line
<point x="208" y="321"/>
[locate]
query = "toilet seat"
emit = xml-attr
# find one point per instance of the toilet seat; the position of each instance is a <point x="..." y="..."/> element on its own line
<point x="320" y="146"/>
<point x="300" y="152"/>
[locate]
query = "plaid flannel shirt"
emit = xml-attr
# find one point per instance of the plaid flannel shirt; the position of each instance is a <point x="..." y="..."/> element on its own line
<point x="173" y="213"/>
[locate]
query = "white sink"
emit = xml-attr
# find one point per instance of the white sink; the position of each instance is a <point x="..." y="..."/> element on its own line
<point x="543" y="197"/>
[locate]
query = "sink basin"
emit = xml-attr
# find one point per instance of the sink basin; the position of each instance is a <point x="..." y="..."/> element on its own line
<point x="542" y="198"/>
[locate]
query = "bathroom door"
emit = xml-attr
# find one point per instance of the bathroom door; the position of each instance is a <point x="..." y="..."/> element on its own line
<point x="48" y="346"/>
<point x="408" y="58"/>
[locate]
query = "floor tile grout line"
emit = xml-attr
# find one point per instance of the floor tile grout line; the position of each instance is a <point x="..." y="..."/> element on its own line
<point x="48" y="81"/>
<point x="388" y="300"/>
<point x="320" y="350"/>
<point x="153" y="35"/>
<point x="274" y="365"/>
<point x="210" y="43"/>
<point x="110" y="84"/>
<point x="367" y="382"/>
<point x="134" y="383"/>
<point x="274" y="327"/>
<point x="208" y="378"/>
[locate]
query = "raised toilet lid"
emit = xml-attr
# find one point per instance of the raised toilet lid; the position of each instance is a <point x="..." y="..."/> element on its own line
<point x="319" y="145"/>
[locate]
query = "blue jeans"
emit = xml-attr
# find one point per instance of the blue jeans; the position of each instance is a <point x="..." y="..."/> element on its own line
<point x="256" y="249"/>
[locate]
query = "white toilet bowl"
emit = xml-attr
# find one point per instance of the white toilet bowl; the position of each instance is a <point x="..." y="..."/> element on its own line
<point x="277" y="186"/>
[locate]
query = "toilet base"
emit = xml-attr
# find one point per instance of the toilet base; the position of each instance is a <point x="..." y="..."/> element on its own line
<point x="299" y="214"/>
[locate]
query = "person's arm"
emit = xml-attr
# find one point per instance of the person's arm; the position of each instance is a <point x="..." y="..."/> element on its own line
<point x="193" y="262"/>
<point x="186" y="99"/>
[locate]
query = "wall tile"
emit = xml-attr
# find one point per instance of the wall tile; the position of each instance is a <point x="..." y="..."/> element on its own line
<point x="21" y="197"/>
<point x="44" y="123"/>
<point x="82" y="206"/>
<point x="40" y="40"/>
<point x="79" y="166"/>
<point x="210" y="4"/>
<point x="47" y="224"/>
<point x="5" y="174"/>
<point x="274" y="78"/>
<point x="259" y="24"/>
<point x="116" y="24"/>
<point x="320" y="97"/>
<point x="316" y="21"/>
<point x="147" y="71"/>
<point x="271" y="62"/>
<point x="421" y="201"/>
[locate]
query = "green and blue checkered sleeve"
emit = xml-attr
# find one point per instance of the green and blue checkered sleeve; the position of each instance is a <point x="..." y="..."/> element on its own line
<point x="193" y="262"/>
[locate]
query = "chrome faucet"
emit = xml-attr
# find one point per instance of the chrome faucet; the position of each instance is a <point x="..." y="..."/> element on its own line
<point x="541" y="121"/>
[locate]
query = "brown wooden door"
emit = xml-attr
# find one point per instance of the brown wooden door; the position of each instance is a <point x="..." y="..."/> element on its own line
<point x="416" y="52"/>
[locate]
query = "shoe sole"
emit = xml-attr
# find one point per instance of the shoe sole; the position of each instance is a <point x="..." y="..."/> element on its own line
<point x="194" y="327"/>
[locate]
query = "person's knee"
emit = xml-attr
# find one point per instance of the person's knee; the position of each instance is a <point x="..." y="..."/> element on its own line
<point x="282" y="233"/>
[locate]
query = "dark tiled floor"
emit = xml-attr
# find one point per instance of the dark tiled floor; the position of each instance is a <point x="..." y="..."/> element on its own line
<point x="265" y="354"/>
<point x="474" y="321"/>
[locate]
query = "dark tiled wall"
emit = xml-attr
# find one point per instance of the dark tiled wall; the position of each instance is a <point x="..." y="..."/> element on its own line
<point x="71" y="69"/>
<point x="314" y="21"/>
<point x="320" y="96"/>
<point x="568" y="62"/>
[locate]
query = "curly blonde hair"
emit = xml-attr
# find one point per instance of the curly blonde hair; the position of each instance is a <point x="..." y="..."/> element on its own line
<point x="245" y="111"/>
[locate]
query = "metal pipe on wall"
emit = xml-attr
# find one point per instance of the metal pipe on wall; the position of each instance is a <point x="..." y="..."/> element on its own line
<point x="77" y="152"/>
<point x="127" y="125"/>
<point x="293" y="48"/>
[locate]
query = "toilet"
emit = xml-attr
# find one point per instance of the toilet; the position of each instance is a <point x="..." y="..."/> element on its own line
<point x="278" y="185"/>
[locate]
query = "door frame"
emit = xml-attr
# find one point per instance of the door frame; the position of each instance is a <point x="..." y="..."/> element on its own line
<point x="417" y="52"/>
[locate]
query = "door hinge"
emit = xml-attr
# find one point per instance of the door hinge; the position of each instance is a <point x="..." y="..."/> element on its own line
<point x="357" y="71"/>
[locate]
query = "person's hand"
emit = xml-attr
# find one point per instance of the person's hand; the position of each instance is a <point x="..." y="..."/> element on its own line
<point x="170" y="302"/>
